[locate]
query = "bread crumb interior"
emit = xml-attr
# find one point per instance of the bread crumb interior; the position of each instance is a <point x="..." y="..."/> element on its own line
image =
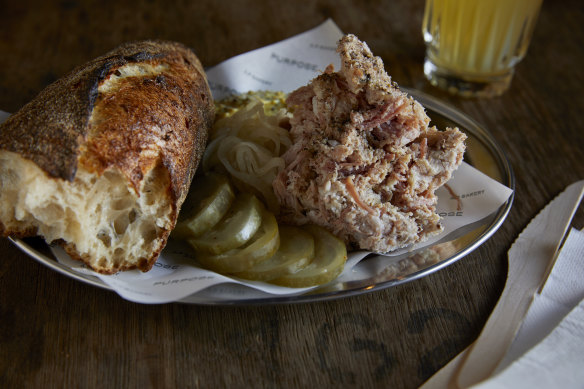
<point x="102" y="216"/>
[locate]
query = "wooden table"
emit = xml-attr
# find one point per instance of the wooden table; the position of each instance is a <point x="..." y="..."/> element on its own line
<point x="57" y="332"/>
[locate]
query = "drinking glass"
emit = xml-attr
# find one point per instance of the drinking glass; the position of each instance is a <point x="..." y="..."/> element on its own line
<point x="472" y="46"/>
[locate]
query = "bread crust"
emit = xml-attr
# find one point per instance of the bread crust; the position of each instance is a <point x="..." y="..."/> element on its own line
<point x="145" y="120"/>
<point x="55" y="132"/>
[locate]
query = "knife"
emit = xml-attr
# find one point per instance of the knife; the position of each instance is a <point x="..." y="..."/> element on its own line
<point x="531" y="258"/>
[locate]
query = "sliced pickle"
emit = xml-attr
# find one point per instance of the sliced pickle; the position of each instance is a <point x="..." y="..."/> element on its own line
<point x="237" y="227"/>
<point x="262" y="246"/>
<point x="205" y="207"/>
<point x="330" y="255"/>
<point x="295" y="252"/>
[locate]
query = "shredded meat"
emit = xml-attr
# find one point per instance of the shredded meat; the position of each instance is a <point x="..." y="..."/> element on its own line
<point x="364" y="163"/>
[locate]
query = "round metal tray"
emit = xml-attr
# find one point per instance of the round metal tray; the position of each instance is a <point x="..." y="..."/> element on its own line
<point x="483" y="153"/>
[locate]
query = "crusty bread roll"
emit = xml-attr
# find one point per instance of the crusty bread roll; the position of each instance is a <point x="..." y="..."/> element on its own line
<point x="102" y="159"/>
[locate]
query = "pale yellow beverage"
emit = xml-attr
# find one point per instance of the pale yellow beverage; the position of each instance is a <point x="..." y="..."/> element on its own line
<point x="473" y="45"/>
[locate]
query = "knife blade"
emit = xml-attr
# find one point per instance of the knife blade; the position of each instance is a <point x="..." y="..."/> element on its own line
<point x="530" y="260"/>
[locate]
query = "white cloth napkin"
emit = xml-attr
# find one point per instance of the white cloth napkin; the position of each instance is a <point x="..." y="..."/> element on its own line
<point x="556" y="362"/>
<point x="548" y="350"/>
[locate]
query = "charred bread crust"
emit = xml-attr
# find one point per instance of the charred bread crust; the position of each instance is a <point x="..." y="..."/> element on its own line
<point x="141" y="106"/>
<point x="54" y="130"/>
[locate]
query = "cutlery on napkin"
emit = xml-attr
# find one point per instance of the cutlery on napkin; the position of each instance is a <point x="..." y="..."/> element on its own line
<point x="531" y="259"/>
<point x="555" y="325"/>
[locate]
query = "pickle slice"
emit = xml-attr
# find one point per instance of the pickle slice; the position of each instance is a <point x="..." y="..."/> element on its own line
<point x="237" y="227"/>
<point x="205" y="206"/>
<point x="330" y="255"/>
<point x="295" y="252"/>
<point x="262" y="246"/>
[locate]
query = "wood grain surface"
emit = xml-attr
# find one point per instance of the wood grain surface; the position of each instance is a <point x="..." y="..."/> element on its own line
<point x="57" y="332"/>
